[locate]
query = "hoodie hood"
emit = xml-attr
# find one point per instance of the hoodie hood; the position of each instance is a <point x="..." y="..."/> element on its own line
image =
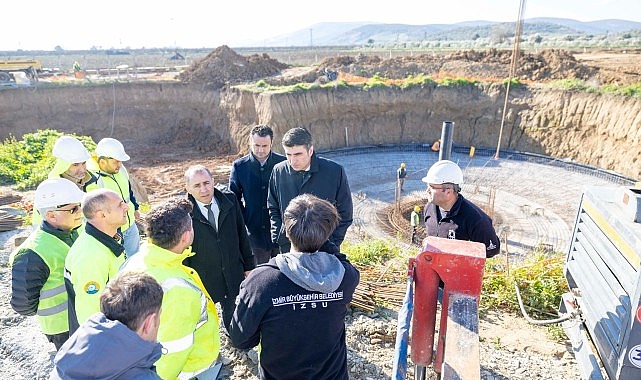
<point x="59" y="167"/>
<point x="104" y="349"/>
<point x="318" y="271"/>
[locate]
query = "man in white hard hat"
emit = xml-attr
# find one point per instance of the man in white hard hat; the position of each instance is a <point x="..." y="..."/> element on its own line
<point x="96" y="256"/>
<point x="71" y="158"/>
<point x="449" y="215"/>
<point x="106" y="163"/>
<point x="37" y="265"/>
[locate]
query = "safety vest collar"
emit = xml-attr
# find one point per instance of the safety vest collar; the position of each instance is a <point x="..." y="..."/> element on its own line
<point x="66" y="236"/>
<point x="116" y="248"/>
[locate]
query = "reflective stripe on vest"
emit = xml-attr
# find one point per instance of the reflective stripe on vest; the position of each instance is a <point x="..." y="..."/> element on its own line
<point x="52" y="304"/>
<point x="51" y="293"/>
<point x="187" y="341"/>
<point x="191" y="375"/>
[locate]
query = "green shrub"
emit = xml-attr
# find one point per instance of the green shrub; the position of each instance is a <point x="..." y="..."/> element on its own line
<point x="540" y="280"/>
<point x="633" y="90"/>
<point x="374" y="82"/>
<point x="27" y="162"/>
<point x="570" y="84"/>
<point x="417" y="80"/>
<point x="371" y="252"/>
<point x="514" y="82"/>
<point x="458" y="82"/>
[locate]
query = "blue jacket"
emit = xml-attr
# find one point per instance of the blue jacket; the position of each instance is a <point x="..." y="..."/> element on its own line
<point x="105" y="349"/>
<point x="250" y="182"/>
<point x="325" y="179"/>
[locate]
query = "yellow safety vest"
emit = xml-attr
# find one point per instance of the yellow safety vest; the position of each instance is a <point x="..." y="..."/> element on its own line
<point x="52" y="304"/>
<point x="415" y="219"/>
<point x="188" y="320"/>
<point x="119" y="183"/>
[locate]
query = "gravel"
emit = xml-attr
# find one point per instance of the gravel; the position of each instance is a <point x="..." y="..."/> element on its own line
<point x="510" y="348"/>
<point x="26" y="354"/>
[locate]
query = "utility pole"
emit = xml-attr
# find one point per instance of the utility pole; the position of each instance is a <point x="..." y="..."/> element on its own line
<point x="513" y="64"/>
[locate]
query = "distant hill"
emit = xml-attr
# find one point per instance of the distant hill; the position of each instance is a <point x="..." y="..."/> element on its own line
<point x="364" y="33"/>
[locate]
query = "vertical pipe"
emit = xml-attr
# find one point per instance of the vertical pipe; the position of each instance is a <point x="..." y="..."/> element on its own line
<point x="346" y="138"/>
<point x="446" y="141"/>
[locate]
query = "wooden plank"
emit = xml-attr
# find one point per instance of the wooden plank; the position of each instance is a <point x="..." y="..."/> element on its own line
<point x="461" y="360"/>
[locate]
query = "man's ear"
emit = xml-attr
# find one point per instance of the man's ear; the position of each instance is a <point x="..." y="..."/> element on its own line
<point x="148" y="330"/>
<point x="185" y="237"/>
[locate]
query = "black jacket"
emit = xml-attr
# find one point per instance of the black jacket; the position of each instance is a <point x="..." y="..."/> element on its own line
<point x="29" y="273"/>
<point x="301" y="331"/>
<point x="221" y="257"/>
<point x="325" y="179"/>
<point x="250" y="182"/>
<point x="465" y="221"/>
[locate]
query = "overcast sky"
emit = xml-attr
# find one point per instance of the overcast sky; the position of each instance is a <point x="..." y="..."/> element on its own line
<point x="43" y="24"/>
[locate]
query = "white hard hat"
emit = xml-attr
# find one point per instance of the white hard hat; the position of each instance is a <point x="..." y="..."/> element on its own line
<point x="56" y="192"/>
<point x="111" y="148"/>
<point x="444" y="171"/>
<point x="70" y="149"/>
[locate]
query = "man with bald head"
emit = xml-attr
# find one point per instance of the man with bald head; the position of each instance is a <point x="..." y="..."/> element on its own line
<point x="96" y="256"/>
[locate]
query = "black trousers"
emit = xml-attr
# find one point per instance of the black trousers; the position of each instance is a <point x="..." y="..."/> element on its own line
<point x="227" y="307"/>
<point x="58" y="339"/>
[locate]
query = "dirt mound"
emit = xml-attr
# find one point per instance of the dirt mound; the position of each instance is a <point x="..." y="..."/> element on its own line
<point x="224" y="66"/>
<point x="483" y="64"/>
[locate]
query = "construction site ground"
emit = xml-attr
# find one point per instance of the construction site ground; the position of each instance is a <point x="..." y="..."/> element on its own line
<point x="532" y="203"/>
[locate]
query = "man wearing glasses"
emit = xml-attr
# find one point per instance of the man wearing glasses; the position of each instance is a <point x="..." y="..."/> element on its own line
<point x="449" y="215"/>
<point x="71" y="157"/>
<point x="37" y="265"/>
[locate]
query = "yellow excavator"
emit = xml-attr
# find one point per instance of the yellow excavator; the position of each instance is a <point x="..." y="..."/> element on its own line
<point x="28" y="66"/>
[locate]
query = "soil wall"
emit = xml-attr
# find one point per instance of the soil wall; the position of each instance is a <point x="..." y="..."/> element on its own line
<point x="603" y="131"/>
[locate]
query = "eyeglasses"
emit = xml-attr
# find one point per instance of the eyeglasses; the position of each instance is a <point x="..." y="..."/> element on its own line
<point x="72" y="210"/>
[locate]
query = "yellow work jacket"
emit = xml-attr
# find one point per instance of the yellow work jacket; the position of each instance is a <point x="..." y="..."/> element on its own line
<point x="188" y="320"/>
<point x="89" y="265"/>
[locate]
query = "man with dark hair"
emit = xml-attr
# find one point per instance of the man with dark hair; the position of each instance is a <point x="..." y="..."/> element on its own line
<point x="37" y="265"/>
<point x="295" y="305"/>
<point x="223" y="256"/>
<point x="189" y="329"/>
<point x="249" y="180"/>
<point x="120" y="341"/>
<point x="96" y="256"/>
<point x="305" y="173"/>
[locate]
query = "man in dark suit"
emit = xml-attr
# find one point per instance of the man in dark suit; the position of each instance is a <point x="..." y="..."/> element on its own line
<point x="249" y="180"/>
<point x="222" y="254"/>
